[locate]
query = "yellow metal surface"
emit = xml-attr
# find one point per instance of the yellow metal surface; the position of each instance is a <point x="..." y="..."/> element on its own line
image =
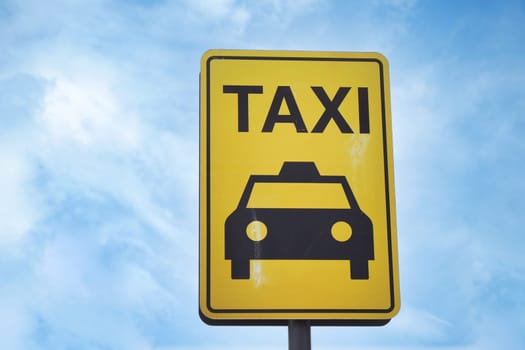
<point x="297" y="195"/>
<point x="234" y="147"/>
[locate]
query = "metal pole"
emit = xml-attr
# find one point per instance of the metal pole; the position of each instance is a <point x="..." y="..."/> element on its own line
<point x="299" y="335"/>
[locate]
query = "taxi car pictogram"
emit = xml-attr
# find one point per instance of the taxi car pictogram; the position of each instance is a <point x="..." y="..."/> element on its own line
<point x="302" y="216"/>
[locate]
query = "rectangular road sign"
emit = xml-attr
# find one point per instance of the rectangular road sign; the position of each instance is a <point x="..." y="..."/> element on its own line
<point x="297" y="210"/>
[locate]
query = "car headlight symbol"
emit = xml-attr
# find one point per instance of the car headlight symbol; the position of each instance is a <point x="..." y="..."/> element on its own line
<point x="256" y="230"/>
<point x="341" y="231"/>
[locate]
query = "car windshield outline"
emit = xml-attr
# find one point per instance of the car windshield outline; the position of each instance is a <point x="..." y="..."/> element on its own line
<point x="339" y="183"/>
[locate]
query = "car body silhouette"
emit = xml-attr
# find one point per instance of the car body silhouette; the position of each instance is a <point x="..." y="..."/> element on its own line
<point x="258" y="230"/>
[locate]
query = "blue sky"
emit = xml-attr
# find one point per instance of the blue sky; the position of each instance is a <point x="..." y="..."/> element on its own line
<point x="99" y="167"/>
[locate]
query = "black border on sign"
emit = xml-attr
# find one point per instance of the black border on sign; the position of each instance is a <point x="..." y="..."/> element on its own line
<point x="316" y="322"/>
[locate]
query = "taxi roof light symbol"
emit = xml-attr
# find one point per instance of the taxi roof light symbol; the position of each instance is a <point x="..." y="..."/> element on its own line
<point x="299" y="171"/>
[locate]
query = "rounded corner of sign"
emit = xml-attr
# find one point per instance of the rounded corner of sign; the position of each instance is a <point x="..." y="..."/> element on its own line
<point x="209" y="55"/>
<point x="394" y="310"/>
<point x="380" y="58"/>
<point x="206" y="315"/>
<point x="204" y="318"/>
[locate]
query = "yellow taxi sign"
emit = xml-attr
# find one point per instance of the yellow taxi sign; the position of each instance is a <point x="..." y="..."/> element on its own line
<point x="297" y="209"/>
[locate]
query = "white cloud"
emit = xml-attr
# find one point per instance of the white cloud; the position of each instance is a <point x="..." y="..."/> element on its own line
<point x="214" y="8"/>
<point x="82" y="104"/>
<point x="419" y="324"/>
<point x="289" y="8"/>
<point x="241" y="11"/>
<point x="92" y="137"/>
<point x="226" y="11"/>
<point x="18" y="205"/>
<point x="86" y="112"/>
<point x="235" y="23"/>
<point x="88" y="144"/>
